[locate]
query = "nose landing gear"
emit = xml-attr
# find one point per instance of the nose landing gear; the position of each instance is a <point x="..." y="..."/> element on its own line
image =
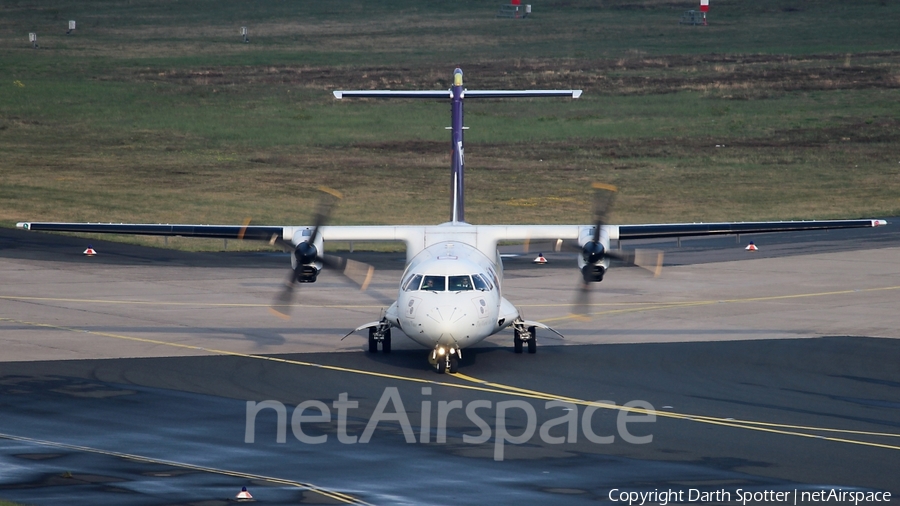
<point x="523" y="335"/>
<point x="380" y="334"/>
<point x="445" y="359"/>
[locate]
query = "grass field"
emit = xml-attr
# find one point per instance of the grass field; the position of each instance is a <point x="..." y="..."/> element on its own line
<point x="154" y="111"/>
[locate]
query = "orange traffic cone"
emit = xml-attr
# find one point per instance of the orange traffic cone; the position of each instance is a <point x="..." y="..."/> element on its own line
<point x="244" y="494"/>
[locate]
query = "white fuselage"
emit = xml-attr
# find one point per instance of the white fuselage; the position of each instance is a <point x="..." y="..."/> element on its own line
<point x="449" y="313"/>
<point x="450" y="294"/>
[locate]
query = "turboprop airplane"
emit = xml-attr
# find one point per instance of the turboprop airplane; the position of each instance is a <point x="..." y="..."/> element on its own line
<point x="450" y="294"/>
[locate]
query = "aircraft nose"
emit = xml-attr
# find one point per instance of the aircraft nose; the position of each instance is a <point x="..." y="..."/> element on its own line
<point x="452" y="320"/>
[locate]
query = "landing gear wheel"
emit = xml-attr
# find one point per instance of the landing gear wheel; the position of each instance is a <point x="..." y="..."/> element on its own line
<point x="454" y="364"/>
<point x="517" y="342"/>
<point x="532" y="343"/>
<point x="442" y="365"/>
<point x="373" y="344"/>
<point x="386" y="344"/>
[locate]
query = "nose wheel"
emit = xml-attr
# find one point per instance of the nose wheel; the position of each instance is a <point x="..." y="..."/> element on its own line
<point x="524" y="336"/>
<point x="379" y="336"/>
<point x="445" y="359"/>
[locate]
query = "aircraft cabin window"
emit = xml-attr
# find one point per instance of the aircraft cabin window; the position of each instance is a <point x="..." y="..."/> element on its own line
<point x="480" y="283"/>
<point x="413" y="283"/>
<point x="434" y="283"/>
<point x="460" y="283"/>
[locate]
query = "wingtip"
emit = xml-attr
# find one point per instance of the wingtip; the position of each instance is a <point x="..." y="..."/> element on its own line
<point x="22" y="225"/>
<point x="576" y="93"/>
<point x="338" y="94"/>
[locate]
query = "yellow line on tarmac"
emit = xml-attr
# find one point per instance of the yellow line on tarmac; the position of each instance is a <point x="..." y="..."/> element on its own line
<point x="338" y="496"/>
<point x="498" y="388"/>
<point x="745" y="424"/>
<point x="258" y="357"/>
<point x="650" y="306"/>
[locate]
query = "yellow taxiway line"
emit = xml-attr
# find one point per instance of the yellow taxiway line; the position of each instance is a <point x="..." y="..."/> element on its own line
<point x="497" y="388"/>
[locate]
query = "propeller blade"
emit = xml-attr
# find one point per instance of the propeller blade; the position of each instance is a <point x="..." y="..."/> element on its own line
<point x="604" y="194"/>
<point x="323" y="211"/>
<point x="581" y="306"/>
<point x="281" y="306"/>
<point x="649" y="259"/>
<point x="244" y="229"/>
<point x="287" y="246"/>
<point x="359" y="272"/>
<point x="594" y="251"/>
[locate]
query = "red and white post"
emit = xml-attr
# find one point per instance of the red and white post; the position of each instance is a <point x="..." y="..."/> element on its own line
<point x="704" y="8"/>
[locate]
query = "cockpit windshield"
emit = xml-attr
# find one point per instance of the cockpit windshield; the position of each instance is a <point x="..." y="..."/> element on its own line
<point x="452" y="283"/>
<point x="412" y="284"/>
<point x="481" y="283"/>
<point x="434" y="283"/>
<point x="460" y="283"/>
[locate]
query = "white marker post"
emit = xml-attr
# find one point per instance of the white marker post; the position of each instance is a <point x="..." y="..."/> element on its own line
<point x="32" y="37"/>
<point x="71" y="27"/>
<point x="245" y="35"/>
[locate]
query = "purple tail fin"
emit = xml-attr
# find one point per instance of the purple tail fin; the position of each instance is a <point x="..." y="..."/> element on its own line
<point x="457" y="165"/>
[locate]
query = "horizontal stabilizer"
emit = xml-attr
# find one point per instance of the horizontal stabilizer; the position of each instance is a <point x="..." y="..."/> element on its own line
<point x="438" y="94"/>
<point x="521" y="93"/>
<point x="392" y="94"/>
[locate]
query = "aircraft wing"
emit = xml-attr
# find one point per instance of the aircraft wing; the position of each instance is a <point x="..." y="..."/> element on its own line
<point x="417" y="236"/>
<point x="254" y="232"/>
<point x="624" y="232"/>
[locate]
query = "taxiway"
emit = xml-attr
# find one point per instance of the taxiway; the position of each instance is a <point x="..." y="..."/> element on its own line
<point x="125" y="377"/>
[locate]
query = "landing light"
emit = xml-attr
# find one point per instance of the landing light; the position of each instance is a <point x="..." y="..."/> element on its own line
<point x="441" y="351"/>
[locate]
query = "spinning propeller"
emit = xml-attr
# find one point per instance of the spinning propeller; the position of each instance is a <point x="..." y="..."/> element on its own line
<point x="306" y="255"/>
<point x="593" y="252"/>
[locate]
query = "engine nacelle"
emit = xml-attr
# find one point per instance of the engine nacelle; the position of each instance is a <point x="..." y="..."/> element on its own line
<point x="592" y="262"/>
<point x="304" y="260"/>
<point x="593" y="273"/>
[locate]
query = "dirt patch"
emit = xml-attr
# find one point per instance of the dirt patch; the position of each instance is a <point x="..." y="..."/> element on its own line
<point x="729" y="76"/>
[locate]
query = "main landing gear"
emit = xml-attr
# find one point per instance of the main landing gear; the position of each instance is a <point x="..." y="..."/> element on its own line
<point x="523" y="335"/>
<point x="445" y="359"/>
<point x="379" y="335"/>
